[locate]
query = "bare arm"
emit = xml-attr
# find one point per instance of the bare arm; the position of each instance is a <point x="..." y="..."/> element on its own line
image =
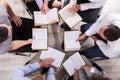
<point x="75" y="75"/>
<point x="12" y="15"/>
<point x="19" y="43"/>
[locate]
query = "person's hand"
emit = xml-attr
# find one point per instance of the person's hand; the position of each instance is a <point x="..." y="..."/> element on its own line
<point x="81" y="37"/>
<point x="74" y="8"/>
<point x="29" y="41"/>
<point x="86" y="67"/>
<point x="38" y="77"/>
<point x="46" y="62"/>
<point x="16" y="20"/>
<point x="94" y="38"/>
<point x="45" y="9"/>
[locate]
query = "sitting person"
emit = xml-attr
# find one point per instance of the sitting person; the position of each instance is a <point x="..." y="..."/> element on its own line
<point x="82" y="75"/>
<point x="89" y="71"/>
<point x="48" y="4"/>
<point x="107" y="38"/>
<point x="42" y="5"/>
<point x="20" y="73"/>
<point x="16" y="32"/>
<point x="88" y="10"/>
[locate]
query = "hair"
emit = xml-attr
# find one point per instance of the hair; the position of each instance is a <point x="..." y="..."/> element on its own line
<point x="3" y="34"/>
<point x="112" y="33"/>
<point x="98" y="77"/>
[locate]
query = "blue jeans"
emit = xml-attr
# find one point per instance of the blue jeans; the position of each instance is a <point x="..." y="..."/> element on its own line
<point x="93" y="51"/>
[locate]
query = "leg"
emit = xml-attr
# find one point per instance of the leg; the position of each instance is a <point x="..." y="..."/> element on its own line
<point x="90" y="15"/>
<point x="25" y="30"/>
<point x="93" y="52"/>
<point x="85" y="27"/>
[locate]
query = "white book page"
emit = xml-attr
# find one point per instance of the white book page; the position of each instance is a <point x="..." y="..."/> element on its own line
<point x="77" y="60"/>
<point x="69" y="66"/>
<point x="39" y="44"/>
<point x="70" y="18"/>
<point x="52" y="15"/>
<point x="40" y="41"/>
<point x="55" y="54"/>
<point x="40" y="18"/>
<point x="73" y="20"/>
<point x="70" y="40"/>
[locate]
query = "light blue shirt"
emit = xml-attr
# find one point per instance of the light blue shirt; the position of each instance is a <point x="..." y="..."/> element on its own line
<point x="20" y="73"/>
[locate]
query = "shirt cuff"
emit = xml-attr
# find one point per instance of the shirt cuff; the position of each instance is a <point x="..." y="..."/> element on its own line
<point x="51" y="70"/>
<point x="84" y="6"/>
<point x="37" y="65"/>
<point x="92" y="70"/>
<point x="88" y="33"/>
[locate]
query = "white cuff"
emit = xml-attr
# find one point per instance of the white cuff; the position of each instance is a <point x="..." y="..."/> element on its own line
<point x="92" y="70"/>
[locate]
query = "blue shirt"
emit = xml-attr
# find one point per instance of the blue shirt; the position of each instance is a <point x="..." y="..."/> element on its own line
<point x="20" y="73"/>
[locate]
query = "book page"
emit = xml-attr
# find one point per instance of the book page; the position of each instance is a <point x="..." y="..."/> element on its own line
<point x="55" y="54"/>
<point x="52" y="15"/>
<point x="69" y="18"/>
<point x="69" y="66"/>
<point x="73" y="62"/>
<point x="77" y="60"/>
<point x="39" y="18"/>
<point x="70" y="40"/>
<point x="40" y="41"/>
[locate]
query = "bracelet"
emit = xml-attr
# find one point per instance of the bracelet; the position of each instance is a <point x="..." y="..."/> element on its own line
<point x="92" y="70"/>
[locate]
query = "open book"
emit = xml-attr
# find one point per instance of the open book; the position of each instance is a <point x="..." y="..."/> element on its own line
<point x="50" y="17"/>
<point x="55" y="54"/>
<point x="73" y="63"/>
<point x="40" y="41"/>
<point x="70" y="43"/>
<point x="68" y="17"/>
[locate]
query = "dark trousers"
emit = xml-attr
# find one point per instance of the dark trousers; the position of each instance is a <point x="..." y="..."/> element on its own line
<point x="93" y="51"/>
<point x="89" y="15"/>
<point x="23" y="32"/>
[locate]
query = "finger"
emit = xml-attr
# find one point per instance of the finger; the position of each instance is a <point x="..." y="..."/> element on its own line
<point x="16" y="23"/>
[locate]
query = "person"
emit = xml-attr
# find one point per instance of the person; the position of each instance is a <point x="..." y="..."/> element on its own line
<point x="107" y="38"/>
<point x="41" y="5"/>
<point x="88" y="10"/>
<point x="88" y="71"/>
<point x="93" y="75"/>
<point x="20" y="73"/>
<point x="16" y="32"/>
<point x="48" y="4"/>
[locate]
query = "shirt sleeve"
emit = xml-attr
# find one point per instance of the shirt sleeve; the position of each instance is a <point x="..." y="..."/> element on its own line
<point x="20" y="73"/>
<point x="92" y="5"/>
<point x="106" y="49"/>
<point x="106" y="19"/>
<point x="39" y="3"/>
<point x="51" y="74"/>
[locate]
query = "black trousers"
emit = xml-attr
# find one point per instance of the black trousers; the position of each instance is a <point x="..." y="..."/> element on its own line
<point x="23" y="32"/>
<point x="89" y="15"/>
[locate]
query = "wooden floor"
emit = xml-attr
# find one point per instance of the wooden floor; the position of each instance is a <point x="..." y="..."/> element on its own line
<point x="10" y="62"/>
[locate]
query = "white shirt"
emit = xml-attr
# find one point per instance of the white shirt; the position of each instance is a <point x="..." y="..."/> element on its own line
<point x="112" y="49"/>
<point x="19" y="74"/>
<point x="92" y="5"/>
